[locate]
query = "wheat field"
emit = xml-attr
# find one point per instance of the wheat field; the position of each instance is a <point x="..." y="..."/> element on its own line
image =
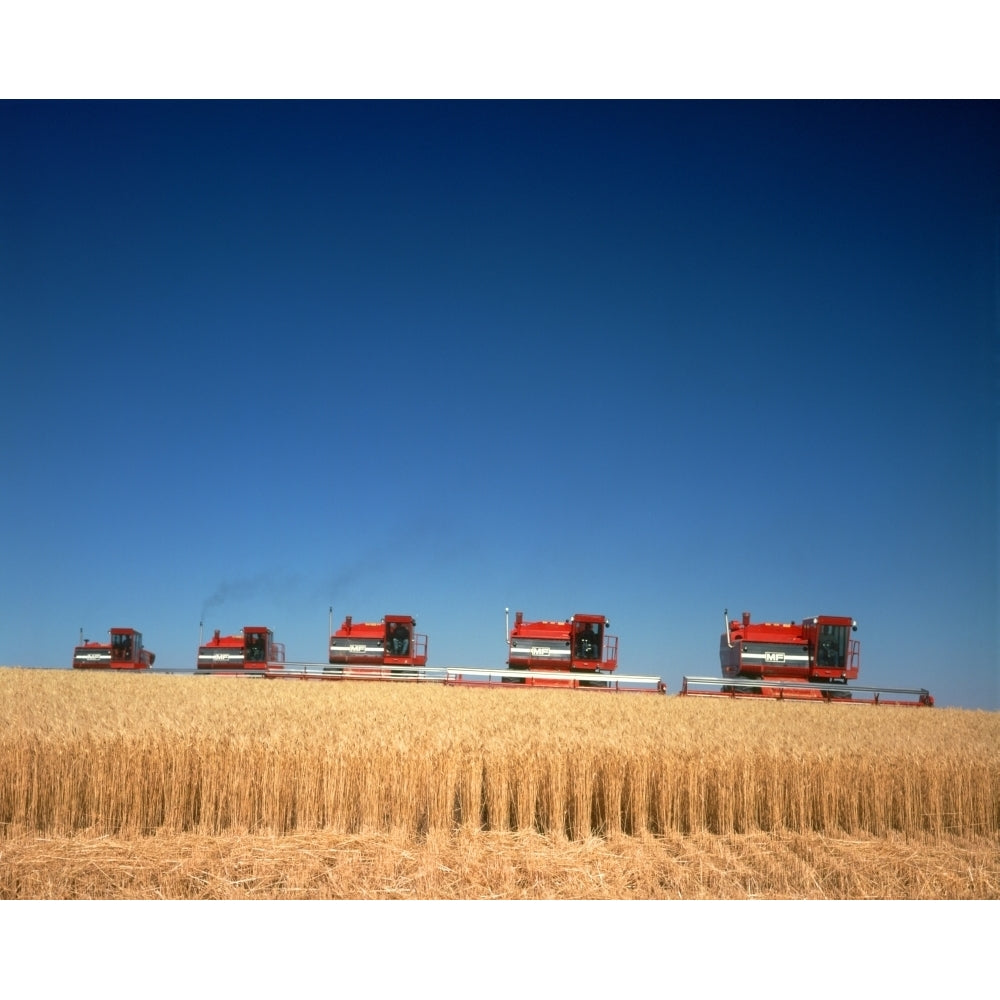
<point x="206" y="787"/>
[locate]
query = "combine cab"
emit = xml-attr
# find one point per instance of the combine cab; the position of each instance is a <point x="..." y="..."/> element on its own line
<point x="250" y="652"/>
<point x="123" y="651"/>
<point x="377" y="650"/>
<point x="809" y="661"/>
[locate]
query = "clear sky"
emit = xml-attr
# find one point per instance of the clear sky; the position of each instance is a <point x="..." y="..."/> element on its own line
<point x="651" y="360"/>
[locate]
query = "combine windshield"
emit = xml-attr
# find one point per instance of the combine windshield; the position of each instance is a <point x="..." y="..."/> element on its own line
<point x="121" y="647"/>
<point x="256" y="647"/>
<point x="831" y="646"/>
<point x="398" y="640"/>
<point x="587" y="641"/>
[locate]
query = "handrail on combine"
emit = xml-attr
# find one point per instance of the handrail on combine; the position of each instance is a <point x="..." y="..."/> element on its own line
<point x="756" y="687"/>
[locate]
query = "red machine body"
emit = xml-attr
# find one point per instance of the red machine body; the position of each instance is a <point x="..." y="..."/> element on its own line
<point x="818" y="649"/>
<point x="252" y="650"/>
<point x="123" y="651"/>
<point x="574" y="648"/>
<point x="390" y="642"/>
<point x="811" y="660"/>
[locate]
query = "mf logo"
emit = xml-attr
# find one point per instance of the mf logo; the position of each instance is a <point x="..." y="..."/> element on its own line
<point x="774" y="657"/>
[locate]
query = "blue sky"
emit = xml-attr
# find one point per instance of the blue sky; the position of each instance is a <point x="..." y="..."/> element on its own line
<point x="650" y="359"/>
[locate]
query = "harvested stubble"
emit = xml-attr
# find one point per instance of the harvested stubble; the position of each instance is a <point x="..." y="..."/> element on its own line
<point x="484" y="865"/>
<point x="133" y="755"/>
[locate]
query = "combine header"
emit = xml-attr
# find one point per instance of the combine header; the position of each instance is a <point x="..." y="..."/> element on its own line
<point x="123" y="651"/>
<point x="379" y="650"/>
<point x="252" y="652"/>
<point x="810" y="661"/>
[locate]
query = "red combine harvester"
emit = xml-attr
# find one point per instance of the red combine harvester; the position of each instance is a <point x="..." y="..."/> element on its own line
<point x="250" y="652"/>
<point x="575" y="653"/>
<point x="577" y="646"/>
<point x="123" y="651"/>
<point x="379" y="650"/>
<point x="809" y="661"/>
